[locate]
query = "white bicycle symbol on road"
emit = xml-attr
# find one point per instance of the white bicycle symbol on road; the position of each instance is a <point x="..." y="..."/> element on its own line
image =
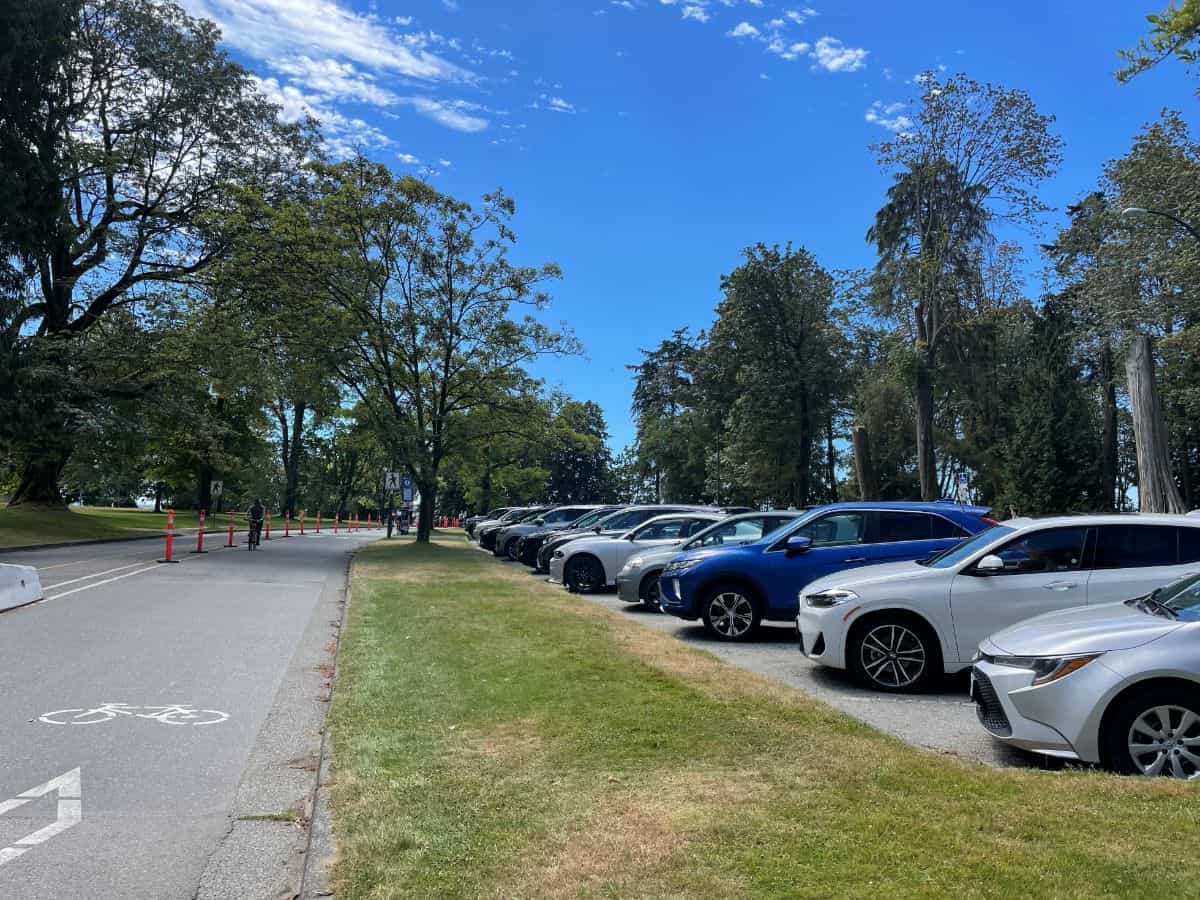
<point x="172" y="715"/>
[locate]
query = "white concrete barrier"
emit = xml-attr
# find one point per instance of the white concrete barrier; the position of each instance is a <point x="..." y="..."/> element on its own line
<point x="18" y="585"/>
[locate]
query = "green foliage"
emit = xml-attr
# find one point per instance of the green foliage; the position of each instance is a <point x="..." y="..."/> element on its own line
<point x="1175" y="31"/>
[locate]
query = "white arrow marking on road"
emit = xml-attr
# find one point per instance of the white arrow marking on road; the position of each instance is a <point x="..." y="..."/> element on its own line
<point x="70" y="812"/>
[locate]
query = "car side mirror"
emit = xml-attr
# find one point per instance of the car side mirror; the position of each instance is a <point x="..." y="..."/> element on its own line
<point x="597" y="529"/>
<point x="989" y="565"/>
<point x="539" y="521"/>
<point x="796" y="545"/>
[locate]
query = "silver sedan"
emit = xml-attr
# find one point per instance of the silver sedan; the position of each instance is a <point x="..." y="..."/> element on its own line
<point x="1116" y="684"/>
<point x="637" y="582"/>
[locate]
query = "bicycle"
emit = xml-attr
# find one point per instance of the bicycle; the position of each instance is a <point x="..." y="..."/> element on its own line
<point x="254" y="538"/>
<point x="106" y="712"/>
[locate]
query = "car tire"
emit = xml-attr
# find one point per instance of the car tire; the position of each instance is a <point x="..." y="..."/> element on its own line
<point x="510" y="549"/>
<point x="583" y="574"/>
<point x="896" y="654"/>
<point x="1137" y="725"/>
<point x="730" y="612"/>
<point x="649" y="591"/>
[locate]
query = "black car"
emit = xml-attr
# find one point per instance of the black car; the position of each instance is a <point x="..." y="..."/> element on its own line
<point x="530" y="544"/>
<point x="614" y="523"/>
<point x="489" y="533"/>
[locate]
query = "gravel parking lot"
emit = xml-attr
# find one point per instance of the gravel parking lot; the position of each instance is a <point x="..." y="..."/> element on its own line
<point x="943" y="721"/>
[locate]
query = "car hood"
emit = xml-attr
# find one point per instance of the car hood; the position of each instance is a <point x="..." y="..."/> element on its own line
<point x="654" y="555"/>
<point x="1082" y="629"/>
<point x="867" y="577"/>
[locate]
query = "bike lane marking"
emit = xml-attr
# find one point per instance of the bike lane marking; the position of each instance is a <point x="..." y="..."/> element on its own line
<point x="69" y="788"/>
<point x="88" y="587"/>
<point x="59" y="584"/>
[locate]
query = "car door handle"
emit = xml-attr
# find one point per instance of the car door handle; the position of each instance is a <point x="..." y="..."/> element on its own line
<point x="1060" y="585"/>
<point x="855" y="559"/>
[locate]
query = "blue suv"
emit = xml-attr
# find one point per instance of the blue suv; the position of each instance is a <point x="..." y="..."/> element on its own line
<point x="732" y="589"/>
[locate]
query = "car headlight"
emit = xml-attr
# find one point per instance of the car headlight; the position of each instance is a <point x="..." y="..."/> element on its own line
<point x="826" y="599"/>
<point x="635" y="563"/>
<point x="558" y="554"/>
<point x="679" y="566"/>
<point x="1046" y="668"/>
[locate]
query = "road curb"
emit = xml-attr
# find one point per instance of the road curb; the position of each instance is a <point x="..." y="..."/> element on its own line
<point x="321" y="850"/>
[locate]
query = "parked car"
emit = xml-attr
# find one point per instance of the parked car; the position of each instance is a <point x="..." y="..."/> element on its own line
<point x="589" y="564"/>
<point x="612" y="525"/>
<point x="510" y="535"/>
<point x="898" y="627"/>
<point x="637" y="582"/>
<point x="507" y="516"/>
<point x="733" y="590"/>
<point x="470" y="524"/>
<point x="489" y="532"/>
<point x="1116" y="683"/>
<point x="529" y="545"/>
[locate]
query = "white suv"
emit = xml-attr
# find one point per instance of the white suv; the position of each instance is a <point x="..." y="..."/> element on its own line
<point x="898" y="626"/>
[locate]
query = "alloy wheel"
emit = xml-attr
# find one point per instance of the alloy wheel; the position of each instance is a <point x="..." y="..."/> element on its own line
<point x="893" y="655"/>
<point x="731" y="614"/>
<point x="1165" y="740"/>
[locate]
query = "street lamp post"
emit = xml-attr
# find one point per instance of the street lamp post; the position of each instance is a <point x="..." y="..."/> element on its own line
<point x="1134" y="211"/>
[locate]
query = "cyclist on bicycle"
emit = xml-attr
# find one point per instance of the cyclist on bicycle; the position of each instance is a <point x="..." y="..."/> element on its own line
<point x="256" y="515"/>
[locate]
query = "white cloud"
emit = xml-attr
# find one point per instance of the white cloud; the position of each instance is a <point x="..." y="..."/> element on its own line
<point x="408" y="159"/>
<point x="743" y="29"/>
<point x="456" y="114"/>
<point x="832" y="55"/>
<point x="888" y="116"/>
<point x="334" y="80"/>
<point x="343" y="134"/>
<point x="554" y="104"/>
<point x="276" y="29"/>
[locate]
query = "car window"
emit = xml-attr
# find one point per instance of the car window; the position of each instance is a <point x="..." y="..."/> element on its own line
<point x="741" y="532"/>
<point x="667" y="528"/>
<point x="1052" y="550"/>
<point x="561" y="515"/>
<point x="631" y="519"/>
<point x="1135" y="546"/>
<point x="893" y="527"/>
<point x="591" y="518"/>
<point x="1189" y="545"/>
<point x="960" y="553"/>
<point x="941" y="527"/>
<point x="834" y="528"/>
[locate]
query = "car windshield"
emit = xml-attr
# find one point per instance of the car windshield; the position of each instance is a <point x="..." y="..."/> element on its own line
<point x="742" y="531"/>
<point x="587" y="521"/>
<point x="951" y="557"/>
<point x="1184" y="597"/>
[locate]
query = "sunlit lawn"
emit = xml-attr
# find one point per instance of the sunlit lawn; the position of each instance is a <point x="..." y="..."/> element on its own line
<point x="22" y="526"/>
<point x="493" y="736"/>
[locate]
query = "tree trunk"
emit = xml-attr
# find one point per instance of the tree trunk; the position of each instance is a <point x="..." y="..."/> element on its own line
<point x="831" y="459"/>
<point x="485" y="492"/>
<point x="205" y="492"/>
<point x="804" y="451"/>
<point x="39" y="481"/>
<point x="158" y="494"/>
<point x="425" y="516"/>
<point x="926" y="466"/>
<point x="1157" y="491"/>
<point x="864" y="468"/>
<point x="1108" y="435"/>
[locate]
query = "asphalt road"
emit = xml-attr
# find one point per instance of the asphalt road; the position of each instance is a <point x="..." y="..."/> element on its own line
<point x="130" y="806"/>
<point x="943" y="720"/>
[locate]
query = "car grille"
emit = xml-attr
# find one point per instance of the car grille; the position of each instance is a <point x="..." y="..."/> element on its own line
<point x="987" y="705"/>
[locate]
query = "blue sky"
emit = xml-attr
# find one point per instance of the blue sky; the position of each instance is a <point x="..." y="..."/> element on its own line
<point x="647" y="141"/>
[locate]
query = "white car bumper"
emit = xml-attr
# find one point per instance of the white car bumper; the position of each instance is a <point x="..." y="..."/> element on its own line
<point x="823" y="634"/>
